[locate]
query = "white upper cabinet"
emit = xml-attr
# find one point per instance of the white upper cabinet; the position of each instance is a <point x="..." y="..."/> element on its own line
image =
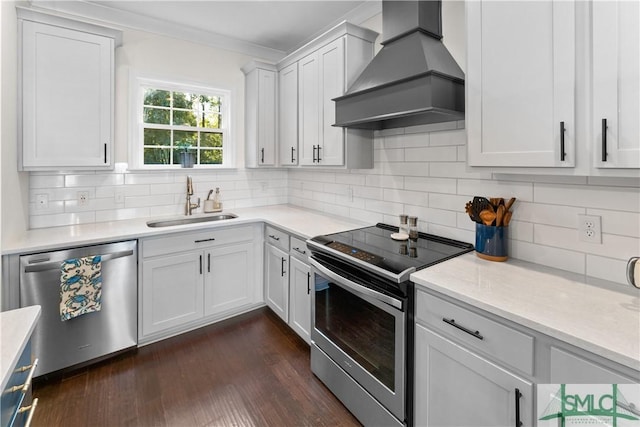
<point x="324" y="68"/>
<point x="260" y="114"/>
<point x="520" y="83"/>
<point x="288" y="115"/>
<point x="616" y="84"/>
<point x="67" y="80"/>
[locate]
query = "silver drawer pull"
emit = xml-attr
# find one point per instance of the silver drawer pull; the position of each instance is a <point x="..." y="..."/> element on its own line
<point x="25" y="387"/>
<point x="453" y="323"/>
<point x="274" y="237"/>
<point x="32" y="410"/>
<point x="300" y="251"/>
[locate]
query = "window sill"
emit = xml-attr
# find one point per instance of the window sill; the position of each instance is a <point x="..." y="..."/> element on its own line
<point x="178" y="168"/>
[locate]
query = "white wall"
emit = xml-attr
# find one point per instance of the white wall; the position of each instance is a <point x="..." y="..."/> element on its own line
<point x="15" y="185"/>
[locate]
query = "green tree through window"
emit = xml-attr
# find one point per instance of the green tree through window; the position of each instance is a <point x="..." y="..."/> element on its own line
<point x="173" y="119"/>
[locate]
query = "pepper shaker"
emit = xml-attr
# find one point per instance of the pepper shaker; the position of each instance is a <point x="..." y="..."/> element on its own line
<point x="413" y="227"/>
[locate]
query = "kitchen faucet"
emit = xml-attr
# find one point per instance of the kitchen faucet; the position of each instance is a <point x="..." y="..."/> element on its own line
<point x="190" y="206"/>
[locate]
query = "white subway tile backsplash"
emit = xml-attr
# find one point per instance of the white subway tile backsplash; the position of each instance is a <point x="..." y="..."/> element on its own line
<point x="549" y="256"/>
<point x="618" y="198"/>
<point x="418" y="173"/>
<point x="431" y="185"/>
<point x="604" y="268"/>
<point x="93" y="180"/>
<point x="621" y="223"/>
<point x="431" y="154"/>
<point x="487" y="188"/>
<point x="561" y="216"/>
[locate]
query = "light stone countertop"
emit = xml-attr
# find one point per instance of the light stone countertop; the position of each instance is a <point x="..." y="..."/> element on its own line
<point x="556" y="303"/>
<point x="295" y="220"/>
<point x="561" y="305"/>
<point x="16" y="327"/>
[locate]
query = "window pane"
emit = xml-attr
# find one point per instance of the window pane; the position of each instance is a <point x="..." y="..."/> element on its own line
<point x="211" y="157"/>
<point x="182" y="137"/>
<point x="157" y="137"/>
<point x="159" y="98"/>
<point x="184" y="118"/>
<point x="156" y="156"/>
<point x="183" y="100"/>
<point x="210" y="139"/>
<point x="156" y="115"/>
<point x="211" y="118"/>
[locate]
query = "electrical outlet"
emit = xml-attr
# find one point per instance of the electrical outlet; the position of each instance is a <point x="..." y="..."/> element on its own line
<point x="264" y="185"/>
<point x="589" y="228"/>
<point x="119" y="196"/>
<point x="83" y="198"/>
<point x="42" y="201"/>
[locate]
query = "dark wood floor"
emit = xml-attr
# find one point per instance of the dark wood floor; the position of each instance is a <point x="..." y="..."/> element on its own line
<point x="251" y="370"/>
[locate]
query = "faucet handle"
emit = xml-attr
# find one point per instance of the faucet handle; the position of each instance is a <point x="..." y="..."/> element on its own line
<point x="189" y="186"/>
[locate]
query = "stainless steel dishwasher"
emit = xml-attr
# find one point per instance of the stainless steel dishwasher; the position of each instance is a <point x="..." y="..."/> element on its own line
<point x="61" y="344"/>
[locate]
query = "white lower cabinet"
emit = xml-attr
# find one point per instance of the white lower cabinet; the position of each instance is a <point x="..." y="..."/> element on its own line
<point x="287" y="280"/>
<point x="457" y="387"/>
<point x="300" y="298"/>
<point x="228" y="282"/>
<point x="192" y="279"/>
<point x="277" y="280"/>
<point x="171" y="292"/>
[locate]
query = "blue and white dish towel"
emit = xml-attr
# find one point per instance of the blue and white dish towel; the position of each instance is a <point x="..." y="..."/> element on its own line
<point x="80" y="286"/>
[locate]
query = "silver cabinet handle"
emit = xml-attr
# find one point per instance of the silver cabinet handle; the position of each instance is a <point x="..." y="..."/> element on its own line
<point x="32" y="410"/>
<point x="55" y="265"/>
<point x="631" y="265"/>
<point x="300" y="251"/>
<point x="274" y="237"/>
<point x="25" y="387"/>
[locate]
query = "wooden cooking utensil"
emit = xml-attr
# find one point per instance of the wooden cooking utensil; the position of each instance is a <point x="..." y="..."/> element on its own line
<point x="487" y="217"/>
<point x="507" y="218"/>
<point x="500" y="215"/>
<point x="509" y="203"/>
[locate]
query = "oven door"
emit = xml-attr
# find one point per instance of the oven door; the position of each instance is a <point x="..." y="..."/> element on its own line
<point x="362" y="331"/>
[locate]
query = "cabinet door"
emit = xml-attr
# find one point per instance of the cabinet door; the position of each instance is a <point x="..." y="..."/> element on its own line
<point x="308" y="109"/>
<point x="267" y="117"/>
<point x="616" y="83"/>
<point x="229" y="279"/>
<point x="520" y="83"/>
<point x="277" y="281"/>
<point x="288" y="115"/>
<point x="332" y="85"/>
<point x="171" y="291"/>
<point x="456" y="387"/>
<point x="300" y="298"/>
<point x="67" y="92"/>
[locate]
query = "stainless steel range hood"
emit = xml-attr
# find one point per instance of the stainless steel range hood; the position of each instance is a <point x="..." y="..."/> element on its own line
<point x="413" y="80"/>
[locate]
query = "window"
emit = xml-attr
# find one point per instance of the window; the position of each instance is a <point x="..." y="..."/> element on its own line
<point x="174" y="119"/>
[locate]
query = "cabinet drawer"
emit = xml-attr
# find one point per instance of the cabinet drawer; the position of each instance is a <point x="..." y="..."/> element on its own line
<point x="502" y="342"/>
<point x="162" y="245"/>
<point x="299" y="249"/>
<point x="277" y="238"/>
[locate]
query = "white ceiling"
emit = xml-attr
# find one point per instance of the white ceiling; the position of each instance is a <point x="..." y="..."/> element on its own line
<point x="273" y="27"/>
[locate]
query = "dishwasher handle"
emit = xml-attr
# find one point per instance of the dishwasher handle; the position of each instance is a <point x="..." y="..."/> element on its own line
<point x="55" y="265"/>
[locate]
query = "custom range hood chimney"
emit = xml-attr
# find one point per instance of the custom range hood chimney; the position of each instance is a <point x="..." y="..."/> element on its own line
<point x="413" y="80"/>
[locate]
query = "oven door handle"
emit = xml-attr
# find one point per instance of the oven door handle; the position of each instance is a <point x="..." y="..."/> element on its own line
<point x="344" y="282"/>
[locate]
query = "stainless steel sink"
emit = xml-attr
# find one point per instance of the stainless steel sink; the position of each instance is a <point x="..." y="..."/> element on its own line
<point x="190" y="220"/>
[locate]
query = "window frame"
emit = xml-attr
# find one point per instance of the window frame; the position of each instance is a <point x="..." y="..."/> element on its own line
<point x="137" y="126"/>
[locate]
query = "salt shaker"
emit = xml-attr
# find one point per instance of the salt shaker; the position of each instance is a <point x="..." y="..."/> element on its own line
<point x="404" y="227"/>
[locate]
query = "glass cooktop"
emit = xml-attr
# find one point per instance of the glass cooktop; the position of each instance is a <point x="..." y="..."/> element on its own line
<point x="373" y="247"/>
